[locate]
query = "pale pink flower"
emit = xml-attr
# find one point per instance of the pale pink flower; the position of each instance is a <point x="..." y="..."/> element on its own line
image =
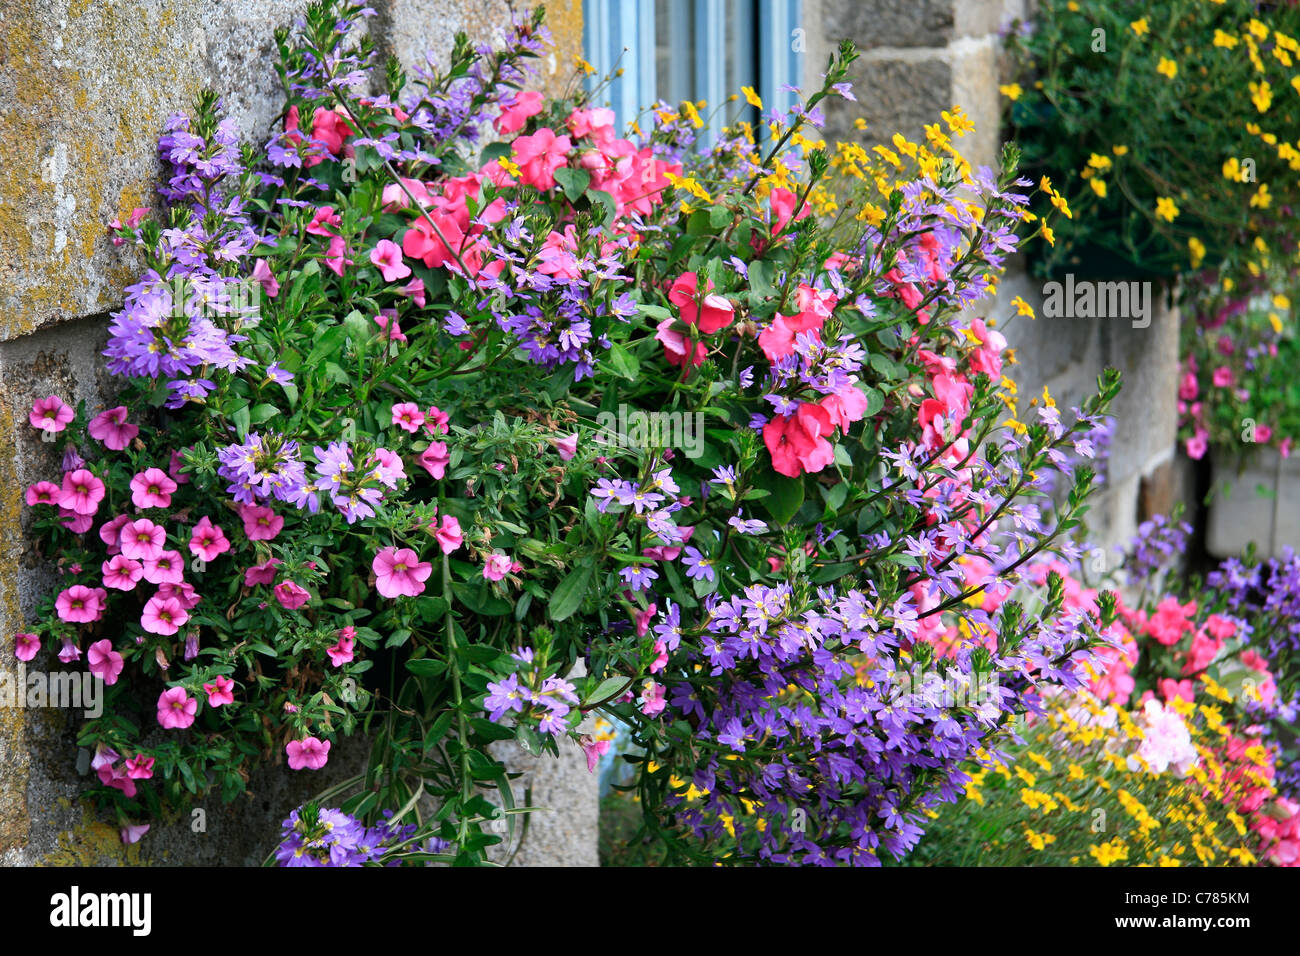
<point x="80" y="604"/>
<point x="292" y="596"/>
<point x="448" y="534"/>
<point x="262" y="273"/>
<point x="44" y="493"/>
<point x="82" y="492"/>
<point x="167" y="568"/>
<point x="387" y="255"/>
<point x="407" y="415"/>
<point x="132" y="832"/>
<point x="435" y="459"/>
<point x="341" y="652"/>
<point x="308" y="754"/>
<point x="70" y="651"/>
<point x="208" y="541"/>
<point x="400" y="572"/>
<point x="111" y="428"/>
<point x="260" y="522"/>
<point x="26" y="646"/>
<point x="104" y="662"/>
<point x="414" y="290"/>
<point x="110" y="532"/>
<point x="497" y="566"/>
<point x="152" y="488"/>
<point x="390" y="463"/>
<point x="652" y="698"/>
<point x="139" y="767"/>
<point x="567" y="446"/>
<point x="142" y="540"/>
<point x="261" y="573"/>
<point x="176" y="709"/>
<point x="220" y="692"/>
<point x="121" y="573"/>
<point x="163" y="615"/>
<point x="51" y="414"/>
<point x="594" y="749"/>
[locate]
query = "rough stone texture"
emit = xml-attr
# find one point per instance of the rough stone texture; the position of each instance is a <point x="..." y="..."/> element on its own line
<point x="1239" y="514"/>
<point x="895" y="23"/>
<point x="904" y="97"/>
<point x="87" y="86"/>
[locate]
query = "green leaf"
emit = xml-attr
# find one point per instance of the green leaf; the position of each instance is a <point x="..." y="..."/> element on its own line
<point x="241" y="417"/>
<point x="264" y="413"/>
<point x="568" y="596"/>
<point x="624" y="363"/>
<point x="426" y="667"/>
<point x="608" y="689"/>
<point x="605" y="201"/>
<point x="573" y="181"/>
<point x="785" y="499"/>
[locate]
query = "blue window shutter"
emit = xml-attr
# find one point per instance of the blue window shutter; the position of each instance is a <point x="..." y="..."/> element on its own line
<point x="620" y="34"/>
<point x="779" y="63"/>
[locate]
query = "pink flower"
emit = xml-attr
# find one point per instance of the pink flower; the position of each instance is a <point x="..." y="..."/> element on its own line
<point x="1171" y="621"/>
<point x="661" y="657"/>
<point x="448" y="534"/>
<point x="70" y="651"/>
<point x="414" y="290"/>
<point x="166" y="568"/>
<point x="220" y="692"/>
<point x="132" y="832"/>
<point x="152" y="488"/>
<point x="710" y="314"/>
<point x="261" y="573"/>
<point x="51" y="414"/>
<point x="436" y="420"/>
<point x="1223" y="377"/>
<point x="182" y="592"/>
<point x="104" y="662"/>
<point x="783" y="202"/>
<point x="1188" y="387"/>
<point x="400" y="572"/>
<point x="1198" y="444"/>
<point x="567" y="446"/>
<point x="387" y="255"/>
<point x="341" y="652"/>
<point x="163" y="615"/>
<point x="176" y="709"/>
<point x="513" y="117"/>
<point x="121" y="573"/>
<point x="308" y="754"/>
<point x="643" y="619"/>
<point x="677" y="347"/>
<point x="597" y="124"/>
<point x="142" y="540"/>
<point x="111" y="428"/>
<point x="43" y="493"/>
<point x="652" y="698"/>
<point x="82" y="492"/>
<point x="110" y="532"/>
<point x="435" y="459"/>
<point x="292" y="596"/>
<point x="408" y="416"/>
<point x="26" y="646"/>
<point x="594" y="749"/>
<point x="539" y="156"/>
<point x="497" y="566"/>
<point x="321" y="220"/>
<point x="336" y="256"/>
<point x="1263" y="434"/>
<point x="111" y="776"/>
<point x="1174" y="689"/>
<point x="208" y="541"/>
<point x="262" y="273"/>
<point x="1205" y="649"/>
<point x="260" y="522"/>
<point x="139" y="767"/>
<point x="387" y="322"/>
<point x="77" y="524"/>
<point x="80" y="604"/>
<point x="1220" y="627"/>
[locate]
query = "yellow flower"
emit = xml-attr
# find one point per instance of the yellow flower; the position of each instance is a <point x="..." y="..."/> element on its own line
<point x="1261" y="94"/>
<point x="509" y="166"/>
<point x="1261" y="199"/>
<point x="1196" y="249"/>
<point x="1099" y="162"/>
<point x="1011" y="91"/>
<point x="583" y="65"/>
<point x="1275" y="321"/>
<point x="1049" y="235"/>
<point x="1140" y="27"/>
<point x="1232" y="169"/>
<point x="859" y="123"/>
<point x="1119" y="150"/>
<point x="957" y="121"/>
<point x="1225" y="40"/>
<point x="1098" y="186"/>
<point x="1167" y="67"/>
<point x="1258" y="29"/>
<point x="1166" y="209"/>
<point x="1023" y="307"/>
<point x="751" y="97"/>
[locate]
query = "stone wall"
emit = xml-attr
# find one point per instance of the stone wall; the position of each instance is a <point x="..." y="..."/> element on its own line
<point x="86" y="87"/>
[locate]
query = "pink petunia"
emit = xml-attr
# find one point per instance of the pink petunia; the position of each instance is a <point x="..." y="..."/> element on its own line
<point x="260" y="522"/>
<point x="163" y="615"/>
<point x="567" y="446"/>
<point x="538" y="157"/>
<point x="176" y="709"/>
<point x="104" y="662"/>
<point x="142" y="540"/>
<point x="208" y="541"/>
<point x="261" y="573"/>
<point x="80" y="604"/>
<point x="70" y="651"/>
<point x="527" y="103"/>
<point x="182" y="592"/>
<point x="44" y="493"/>
<point x="414" y="290"/>
<point x="82" y="492"/>
<point x="497" y="566"/>
<point x="111" y="776"/>
<point x="435" y="459"/>
<point x="220" y="692"/>
<point x="51" y="414"/>
<point x="152" y="488"/>
<point x="139" y="767"/>
<point x="448" y="534"/>
<point x="594" y="750"/>
<point x="77" y="524"/>
<point x="26" y="646"/>
<point x="111" y="428"/>
<point x="400" y="572"/>
<point x="387" y="321"/>
<point x="167" y="568"/>
<point x="121" y="573"/>
<point x="407" y="415"/>
<point x="262" y="273"/>
<point x="308" y="754"/>
<point x="291" y="596"/>
<point x="341" y="652"/>
<point x="110" y="532"/>
<point x="436" y="420"/>
<point x="132" y="832"/>
<point x="387" y="255"/>
<point x="336" y="257"/>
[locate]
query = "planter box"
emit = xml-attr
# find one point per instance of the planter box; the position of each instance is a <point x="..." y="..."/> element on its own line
<point x="1240" y="514"/>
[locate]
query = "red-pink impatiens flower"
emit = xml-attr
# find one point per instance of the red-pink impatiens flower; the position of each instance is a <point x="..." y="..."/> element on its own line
<point x="710" y="314"/>
<point x="80" y="604"/>
<point x="111" y="428"/>
<point x="308" y="754"/>
<point x="400" y="572"/>
<point x="220" y="692"/>
<point x="51" y="414"/>
<point x="176" y="709"/>
<point x="539" y="156"/>
<point x="105" y="662"/>
<point x="512" y="118"/>
<point x="387" y="255"/>
<point x="677" y="346"/>
<point x="152" y="488"/>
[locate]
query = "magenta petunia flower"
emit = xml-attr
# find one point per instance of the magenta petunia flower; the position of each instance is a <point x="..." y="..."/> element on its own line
<point x="110" y="532"/>
<point x="182" y="592"/>
<point x="594" y="749"/>
<point x="261" y="573"/>
<point x="208" y="540"/>
<point x="387" y="255"/>
<point x="82" y="492"/>
<point x="400" y="572"/>
<point x="435" y="459"/>
<point x="436" y="420"/>
<point x="260" y="522"/>
<point x="448" y="534"/>
<point x="70" y="651"/>
<point x="44" y="493"/>
<point x="262" y="273"/>
<point x="308" y="754"/>
<point x="104" y="662"/>
<point x="407" y="415"/>
<point x="132" y="832"/>
<point x="152" y="488"/>
<point x="111" y="776"/>
<point x="292" y="596"/>
<point x="220" y="692"/>
<point x="139" y="767"/>
<point x="497" y="566"/>
<point x="142" y="540"/>
<point x="111" y="428"/>
<point x="26" y="646"/>
<point x="341" y="652"/>
<point x="567" y="446"/>
<point x="77" y="524"/>
<point x="163" y="615"/>
<point x="51" y="414"/>
<point x="121" y="573"/>
<point x="167" y="568"/>
<point x="80" y="604"/>
<point x="176" y="709"/>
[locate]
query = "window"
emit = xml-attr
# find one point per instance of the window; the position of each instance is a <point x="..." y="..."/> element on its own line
<point x="694" y="50"/>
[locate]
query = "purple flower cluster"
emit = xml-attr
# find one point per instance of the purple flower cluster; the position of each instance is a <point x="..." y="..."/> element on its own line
<point x="314" y="836"/>
<point x="547" y="700"/>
